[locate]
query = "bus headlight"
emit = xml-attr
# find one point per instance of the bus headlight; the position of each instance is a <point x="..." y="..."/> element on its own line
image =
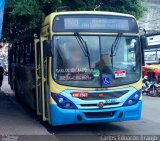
<point x="60" y="100"/>
<point x="130" y="102"/>
<point x="63" y="102"/>
<point x="136" y="96"/>
<point x="133" y="99"/>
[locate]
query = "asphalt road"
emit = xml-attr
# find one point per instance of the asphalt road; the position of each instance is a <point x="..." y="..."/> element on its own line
<point x="17" y="120"/>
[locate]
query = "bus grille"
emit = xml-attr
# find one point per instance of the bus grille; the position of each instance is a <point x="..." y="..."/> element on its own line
<point x="99" y="114"/>
<point x="95" y="105"/>
<point x="106" y="95"/>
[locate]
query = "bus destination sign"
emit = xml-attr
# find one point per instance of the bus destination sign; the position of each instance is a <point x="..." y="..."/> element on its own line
<point x="94" y="23"/>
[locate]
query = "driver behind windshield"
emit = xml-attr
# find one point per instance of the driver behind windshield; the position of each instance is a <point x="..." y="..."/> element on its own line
<point x="76" y="62"/>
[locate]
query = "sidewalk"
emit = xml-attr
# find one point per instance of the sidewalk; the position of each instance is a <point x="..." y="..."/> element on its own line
<point x="14" y="120"/>
<point x="6" y="87"/>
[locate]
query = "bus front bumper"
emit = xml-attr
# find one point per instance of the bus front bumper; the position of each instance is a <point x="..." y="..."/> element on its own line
<point x="60" y="116"/>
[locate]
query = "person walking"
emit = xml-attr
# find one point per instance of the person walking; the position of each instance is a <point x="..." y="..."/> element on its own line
<point x="1" y="72"/>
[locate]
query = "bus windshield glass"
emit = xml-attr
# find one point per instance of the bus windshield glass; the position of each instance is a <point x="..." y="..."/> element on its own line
<point x="71" y="66"/>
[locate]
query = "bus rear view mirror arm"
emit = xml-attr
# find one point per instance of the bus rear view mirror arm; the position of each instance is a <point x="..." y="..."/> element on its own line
<point x="47" y="48"/>
<point x="144" y="45"/>
<point x="144" y="42"/>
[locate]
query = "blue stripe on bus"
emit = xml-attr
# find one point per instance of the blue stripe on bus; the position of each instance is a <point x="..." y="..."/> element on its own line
<point x="1" y="16"/>
<point x="67" y="116"/>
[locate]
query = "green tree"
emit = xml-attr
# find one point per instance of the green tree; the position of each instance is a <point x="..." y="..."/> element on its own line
<point x="26" y="16"/>
<point x="77" y="5"/>
<point x="133" y="7"/>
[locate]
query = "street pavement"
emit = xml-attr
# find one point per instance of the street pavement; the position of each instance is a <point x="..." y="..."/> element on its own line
<point x="15" y="119"/>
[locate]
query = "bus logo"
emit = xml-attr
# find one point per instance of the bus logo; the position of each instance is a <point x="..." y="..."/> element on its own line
<point x="100" y="104"/>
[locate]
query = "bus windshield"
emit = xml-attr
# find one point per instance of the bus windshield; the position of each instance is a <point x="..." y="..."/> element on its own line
<point x="71" y="67"/>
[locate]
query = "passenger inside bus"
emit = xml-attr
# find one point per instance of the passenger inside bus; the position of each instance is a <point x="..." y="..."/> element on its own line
<point x="76" y="58"/>
<point x="104" y="64"/>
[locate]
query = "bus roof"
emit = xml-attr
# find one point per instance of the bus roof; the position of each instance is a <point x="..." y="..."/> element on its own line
<point x="90" y="12"/>
<point x="52" y="15"/>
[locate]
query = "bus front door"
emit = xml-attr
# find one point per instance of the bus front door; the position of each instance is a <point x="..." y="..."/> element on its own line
<point x="45" y="87"/>
<point x="38" y="77"/>
<point x="42" y="88"/>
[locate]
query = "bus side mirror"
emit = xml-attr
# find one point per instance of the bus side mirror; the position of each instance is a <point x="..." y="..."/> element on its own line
<point x="144" y="42"/>
<point x="47" y="45"/>
<point x="144" y="45"/>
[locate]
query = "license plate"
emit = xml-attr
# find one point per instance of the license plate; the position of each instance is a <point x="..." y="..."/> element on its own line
<point x="80" y="94"/>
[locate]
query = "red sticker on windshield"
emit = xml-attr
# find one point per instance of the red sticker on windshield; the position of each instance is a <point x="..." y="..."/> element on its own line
<point x="80" y="94"/>
<point x="119" y="74"/>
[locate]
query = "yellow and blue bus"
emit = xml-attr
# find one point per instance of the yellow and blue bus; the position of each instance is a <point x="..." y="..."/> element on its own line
<point x="84" y="67"/>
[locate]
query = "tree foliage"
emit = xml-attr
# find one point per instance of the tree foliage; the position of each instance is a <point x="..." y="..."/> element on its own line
<point x="133" y="7"/>
<point x="25" y="16"/>
<point x="80" y="4"/>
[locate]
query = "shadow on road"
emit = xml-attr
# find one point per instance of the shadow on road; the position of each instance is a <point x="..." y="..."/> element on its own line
<point x="85" y="129"/>
<point x="78" y="129"/>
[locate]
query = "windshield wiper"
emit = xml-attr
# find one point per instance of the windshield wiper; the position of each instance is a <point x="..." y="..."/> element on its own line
<point x="82" y="43"/>
<point x="115" y="46"/>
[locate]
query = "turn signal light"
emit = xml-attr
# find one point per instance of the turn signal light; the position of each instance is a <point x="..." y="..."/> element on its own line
<point x="101" y="95"/>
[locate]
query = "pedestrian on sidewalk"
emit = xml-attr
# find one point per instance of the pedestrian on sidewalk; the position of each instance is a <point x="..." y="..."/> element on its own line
<point x="1" y="72"/>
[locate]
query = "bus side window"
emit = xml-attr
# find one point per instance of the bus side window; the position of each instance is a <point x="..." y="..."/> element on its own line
<point x="44" y="60"/>
<point x="32" y="53"/>
<point x="14" y="52"/>
<point x="21" y="54"/>
<point x="17" y="52"/>
<point x="28" y="53"/>
<point x="38" y="58"/>
<point x="24" y="52"/>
